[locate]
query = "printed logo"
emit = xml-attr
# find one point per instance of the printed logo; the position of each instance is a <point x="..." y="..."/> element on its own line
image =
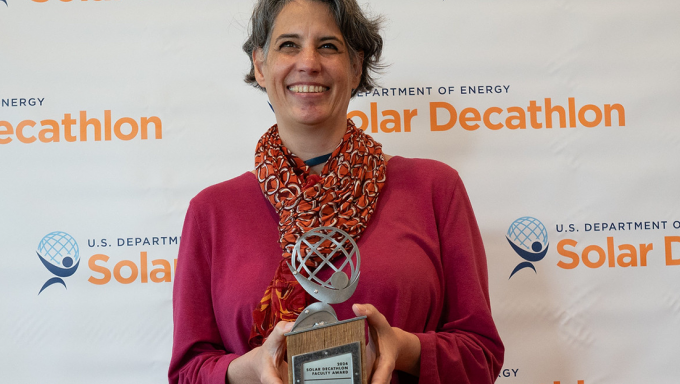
<point x="5" y="1"/>
<point x="60" y="254"/>
<point x="529" y="239"/>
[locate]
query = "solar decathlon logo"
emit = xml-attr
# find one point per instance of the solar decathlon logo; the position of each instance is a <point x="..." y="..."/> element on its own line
<point x="60" y="254"/>
<point x="529" y="239"/>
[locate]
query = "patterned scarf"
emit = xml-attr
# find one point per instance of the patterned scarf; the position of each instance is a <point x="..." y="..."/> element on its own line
<point x="344" y="197"/>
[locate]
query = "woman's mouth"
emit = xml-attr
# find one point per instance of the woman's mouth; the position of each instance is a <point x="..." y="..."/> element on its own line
<point x="307" y="88"/>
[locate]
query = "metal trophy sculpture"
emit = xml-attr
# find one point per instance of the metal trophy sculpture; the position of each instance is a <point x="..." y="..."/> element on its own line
<point x="322" y="349"/>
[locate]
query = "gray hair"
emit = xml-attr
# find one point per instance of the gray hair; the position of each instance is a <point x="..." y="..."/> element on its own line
<point x="360" y="33"/>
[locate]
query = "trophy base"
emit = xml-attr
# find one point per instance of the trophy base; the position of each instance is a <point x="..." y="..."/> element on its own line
<point x="328" y="354"/>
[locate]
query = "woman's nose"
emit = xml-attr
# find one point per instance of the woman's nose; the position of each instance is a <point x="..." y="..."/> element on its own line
<point x="309" y="60"/>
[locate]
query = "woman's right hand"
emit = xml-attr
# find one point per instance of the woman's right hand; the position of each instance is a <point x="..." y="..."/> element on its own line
<point x="263" y="364"/>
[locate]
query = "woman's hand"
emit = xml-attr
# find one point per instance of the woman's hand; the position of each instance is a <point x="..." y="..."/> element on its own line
<point x="389" y="348"/>
<point x="263" y="364"/>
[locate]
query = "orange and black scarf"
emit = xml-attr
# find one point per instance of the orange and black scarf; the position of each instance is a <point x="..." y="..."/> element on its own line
<point x="344" y="197"/>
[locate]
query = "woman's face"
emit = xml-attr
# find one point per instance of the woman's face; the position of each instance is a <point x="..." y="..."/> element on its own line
<point x="307" y="70"/>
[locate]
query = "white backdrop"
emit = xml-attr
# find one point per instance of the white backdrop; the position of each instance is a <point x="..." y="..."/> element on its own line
<point x="160" y="81"/>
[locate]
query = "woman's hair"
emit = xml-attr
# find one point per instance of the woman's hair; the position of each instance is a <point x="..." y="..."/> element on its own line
<point x="360" y="33"/>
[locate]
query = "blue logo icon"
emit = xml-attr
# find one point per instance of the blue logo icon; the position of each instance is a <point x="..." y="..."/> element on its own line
<point x="5" y="1"/>
<point x="529" y="238"/>
<point x="60" y="254"/>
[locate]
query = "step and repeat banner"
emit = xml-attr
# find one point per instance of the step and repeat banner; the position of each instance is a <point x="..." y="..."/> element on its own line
<point x="561" y="117"/>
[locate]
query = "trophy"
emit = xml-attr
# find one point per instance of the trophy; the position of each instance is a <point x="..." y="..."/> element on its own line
<point x="322" y="349"/>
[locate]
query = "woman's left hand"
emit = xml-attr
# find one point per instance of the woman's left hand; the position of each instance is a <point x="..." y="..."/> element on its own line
<point x="389" y="348"/>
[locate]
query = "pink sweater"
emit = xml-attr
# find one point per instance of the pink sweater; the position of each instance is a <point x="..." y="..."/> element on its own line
<point x="422" y="265"/>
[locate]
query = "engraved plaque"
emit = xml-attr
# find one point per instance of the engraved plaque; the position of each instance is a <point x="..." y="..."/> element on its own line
<point x="338" y="365"/>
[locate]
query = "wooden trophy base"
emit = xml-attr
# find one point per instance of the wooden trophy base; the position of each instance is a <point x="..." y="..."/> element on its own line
<point x="328" y="353"/>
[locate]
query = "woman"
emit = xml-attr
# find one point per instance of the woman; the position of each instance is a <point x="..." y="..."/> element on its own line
<point x="423" y="265"/>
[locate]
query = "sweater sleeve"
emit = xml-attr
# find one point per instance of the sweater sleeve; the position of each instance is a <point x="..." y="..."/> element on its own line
<point x="198" y="353"/>
<point x="466" y="347"/>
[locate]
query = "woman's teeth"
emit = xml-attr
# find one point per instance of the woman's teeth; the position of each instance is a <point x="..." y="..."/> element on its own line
<point x="307" y="88"/>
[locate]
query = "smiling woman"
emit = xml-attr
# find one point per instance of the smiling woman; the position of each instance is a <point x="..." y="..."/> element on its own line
<point x="309" y="76"/>
<point x="423" y="268"/>
<point x="311" y="55"/>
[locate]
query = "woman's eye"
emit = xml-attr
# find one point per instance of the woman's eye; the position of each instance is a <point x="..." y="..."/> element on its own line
<point x="287" y="44"/>
<point x="329" y="46"/>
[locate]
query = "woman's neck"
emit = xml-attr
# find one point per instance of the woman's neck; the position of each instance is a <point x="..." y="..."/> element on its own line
<point x="308" y="142"/>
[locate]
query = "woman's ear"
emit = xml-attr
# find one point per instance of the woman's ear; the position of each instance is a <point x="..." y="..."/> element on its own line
<point x="258" y="65"/>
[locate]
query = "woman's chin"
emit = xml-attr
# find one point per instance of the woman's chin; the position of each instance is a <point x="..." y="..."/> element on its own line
<point x="314" y="117"/>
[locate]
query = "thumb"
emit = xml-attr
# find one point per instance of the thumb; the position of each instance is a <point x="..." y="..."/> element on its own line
<point x="373" y="316"/>
<point x="359" y="309"/>
<point x="367" y="310"/>
<point x="276" y="339"/>
<point x="281" y="328"/>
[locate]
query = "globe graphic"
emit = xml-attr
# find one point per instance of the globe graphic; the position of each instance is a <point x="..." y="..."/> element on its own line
<point x="528" y="233"/>
<point x="59" y="249"/>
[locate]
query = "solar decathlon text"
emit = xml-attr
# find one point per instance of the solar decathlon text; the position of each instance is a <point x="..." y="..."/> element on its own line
<point x="83" y="128"/>
<point x="535" y="116"/>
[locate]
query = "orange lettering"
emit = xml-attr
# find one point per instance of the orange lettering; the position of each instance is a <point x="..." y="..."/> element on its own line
<point x="608" y="114"/>
<point x="582" y="116"/>
<point x="408" y="115"/>
<point x="453" y="116"/>
<point x="628" y="259"/>
<point x="107" y="125"/>
<point x="549" y="109"/>
<point x="669" y="250"/>
<point x="84" y="123"/>
<point x="533" y="111"/>
<point x="20" y="133"/>
<point x="600" y="259"/>
<point x="133" y="128"/>
<point x="465" y="118"/>
<point x="395" y="121"/>
<point x="143" y="266"/>
<point x="67" y="122"/>
<point x="92" y="263"/>
<point x="133" y="272"/>
<point x="644" y="248"/>
<point x="487" y="119"/>
<point x="374" y="117"/>
<point x="54" y="137"/>
<point x="572" y="113"/>
<point x="164" y="270"/>
<point x="158" y="125"/>
<point x="9" y="130"/>
<point x="520" y="118"/>
<point x="610" y="251"/>
<point x="569" y="254"/>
